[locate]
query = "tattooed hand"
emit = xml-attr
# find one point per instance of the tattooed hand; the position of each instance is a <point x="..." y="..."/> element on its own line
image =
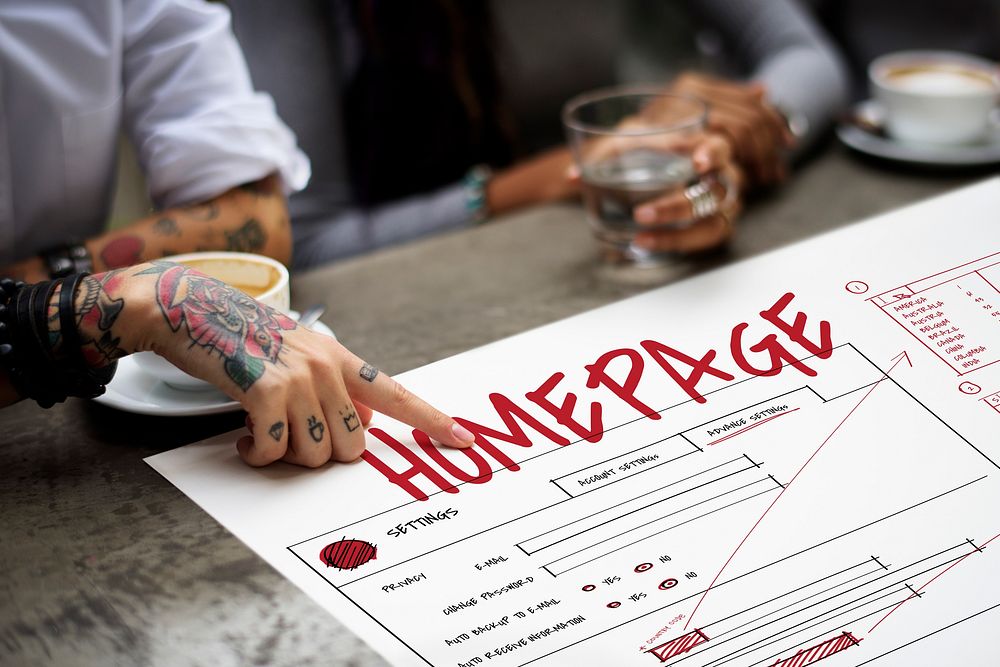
<point x="217" y="317"/>
<point x="306" y="395"/>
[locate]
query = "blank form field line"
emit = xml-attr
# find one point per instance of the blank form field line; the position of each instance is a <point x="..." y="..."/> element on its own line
<point x="647" y="493"/>
<point x="659" y="532"/>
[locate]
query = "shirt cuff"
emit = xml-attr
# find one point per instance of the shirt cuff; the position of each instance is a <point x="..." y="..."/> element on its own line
<point x="194" y="159"/>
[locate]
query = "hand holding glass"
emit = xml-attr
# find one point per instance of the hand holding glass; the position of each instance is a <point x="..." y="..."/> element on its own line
<point x="646" y="164"/>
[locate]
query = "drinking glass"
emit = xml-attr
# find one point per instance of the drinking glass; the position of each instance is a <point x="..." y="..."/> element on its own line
<point x="632" y="145"/>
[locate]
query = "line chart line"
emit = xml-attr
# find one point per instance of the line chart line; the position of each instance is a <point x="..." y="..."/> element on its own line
<point x="787" y="486"/>
<point x="916" y="593"/>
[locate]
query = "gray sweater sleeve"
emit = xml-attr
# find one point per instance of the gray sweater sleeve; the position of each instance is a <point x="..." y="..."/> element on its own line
<point x="352" y="231"/>
<point x="785" y="49"/>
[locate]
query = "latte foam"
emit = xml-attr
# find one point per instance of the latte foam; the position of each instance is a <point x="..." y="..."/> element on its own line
<point x="941" y="80"/>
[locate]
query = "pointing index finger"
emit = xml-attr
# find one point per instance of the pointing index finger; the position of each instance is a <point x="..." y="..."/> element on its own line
<point x="383" y="393"/>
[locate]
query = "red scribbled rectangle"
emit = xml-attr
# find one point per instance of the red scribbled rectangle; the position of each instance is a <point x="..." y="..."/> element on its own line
<point x="682" y="644"/>
<point x="808" y="656"/>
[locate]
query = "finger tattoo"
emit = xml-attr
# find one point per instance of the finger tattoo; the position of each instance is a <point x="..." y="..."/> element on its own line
<point x="368" y="372"/>
<point x="351" y="421"/>
<point x="316" y="429"/>
<point x="277" y="430"/>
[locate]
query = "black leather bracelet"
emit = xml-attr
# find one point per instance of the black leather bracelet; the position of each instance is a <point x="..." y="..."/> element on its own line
<point x="33" y="372"/>
<point x="42" y="296"/>
<point x="83" y="380"/>
<point x="22" y="319"/>
<point x="26" y="349"/>
<point x="67" y="316"/>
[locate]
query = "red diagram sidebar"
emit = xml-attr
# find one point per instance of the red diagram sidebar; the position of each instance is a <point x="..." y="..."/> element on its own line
<point x="955" y="314"/>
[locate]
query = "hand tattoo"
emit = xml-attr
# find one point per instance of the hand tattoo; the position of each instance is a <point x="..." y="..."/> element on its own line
<point x="248" y="238"/>
<point x="245" y="333"/>
<point x="96" y="310"/>
<point x="351" y="421"/>
<point x="368" y="372"/>
<point x="316" y="429"/>
<point x="277" y="430"/>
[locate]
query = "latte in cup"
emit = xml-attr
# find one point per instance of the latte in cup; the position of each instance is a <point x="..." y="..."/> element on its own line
<point x="936" y="97"/>
<point x="250" y="278"/>
<point x="261" y="277"/>
<point x="940" y="80"/>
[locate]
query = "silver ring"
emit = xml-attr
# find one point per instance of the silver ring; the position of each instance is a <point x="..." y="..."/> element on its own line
<point x="704" y="203"/>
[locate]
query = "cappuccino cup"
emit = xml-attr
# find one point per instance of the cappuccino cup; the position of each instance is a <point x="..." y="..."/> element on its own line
<point x="935" y="97"/>
<point x="262" y="278"/>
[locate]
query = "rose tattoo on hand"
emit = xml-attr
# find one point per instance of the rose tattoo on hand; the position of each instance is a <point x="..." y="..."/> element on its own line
<point x="245" y="333"/>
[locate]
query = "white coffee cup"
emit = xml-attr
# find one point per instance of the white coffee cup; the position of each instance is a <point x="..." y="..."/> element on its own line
<point x="263" y="278"/>
<point x="935" y="97"/>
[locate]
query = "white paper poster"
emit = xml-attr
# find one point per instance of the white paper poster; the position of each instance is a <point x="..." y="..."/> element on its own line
<point x="791" y="459"/>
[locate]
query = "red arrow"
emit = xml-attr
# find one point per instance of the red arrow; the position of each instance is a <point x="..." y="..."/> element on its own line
<point x="905" y="356"/>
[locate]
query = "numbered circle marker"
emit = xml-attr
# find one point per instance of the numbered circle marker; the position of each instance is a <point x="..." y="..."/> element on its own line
<point x="856" y="287"/>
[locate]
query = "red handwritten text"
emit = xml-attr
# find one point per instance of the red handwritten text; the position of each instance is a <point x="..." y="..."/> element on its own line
<point x="521" y="429"/>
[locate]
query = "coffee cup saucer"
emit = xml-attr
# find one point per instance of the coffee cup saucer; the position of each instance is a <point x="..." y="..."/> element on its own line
<point x="860" y="132"/>
<point x="134" y="390"/>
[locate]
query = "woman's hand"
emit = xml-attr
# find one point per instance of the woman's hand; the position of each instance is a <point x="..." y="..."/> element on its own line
<point x="671" y="224"/>
<point x="756" y="132"/>
<point x="308" y="398"/>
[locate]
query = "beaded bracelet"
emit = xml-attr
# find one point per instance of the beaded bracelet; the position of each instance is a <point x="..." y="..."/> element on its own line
<point x="474" y="187"/>
<point x="8" y="357"/>
<point x="26" y="348"/>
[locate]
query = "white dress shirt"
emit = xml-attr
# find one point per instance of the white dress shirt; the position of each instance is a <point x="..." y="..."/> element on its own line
<point x="169" y="72"/>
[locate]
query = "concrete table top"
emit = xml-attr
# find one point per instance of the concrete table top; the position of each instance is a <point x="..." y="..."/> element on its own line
<point x="102" y="562"/>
